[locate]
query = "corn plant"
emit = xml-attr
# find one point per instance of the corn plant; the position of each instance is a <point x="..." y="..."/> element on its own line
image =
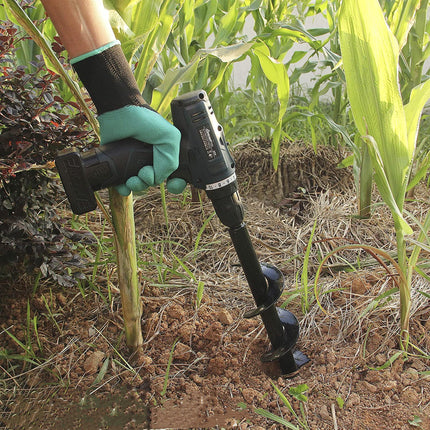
<point x="415" y="51"/>
<point x="370" y="54"/>
<point x="408" y="22"/>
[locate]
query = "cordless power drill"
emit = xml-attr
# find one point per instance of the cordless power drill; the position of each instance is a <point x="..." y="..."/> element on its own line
<point x="206" y="163"/>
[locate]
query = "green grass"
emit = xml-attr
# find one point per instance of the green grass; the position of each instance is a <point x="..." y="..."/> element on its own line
<point x="300" y="417"/>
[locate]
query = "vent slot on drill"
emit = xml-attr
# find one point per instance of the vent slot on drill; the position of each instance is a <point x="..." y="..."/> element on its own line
<point x="198" y="116"/>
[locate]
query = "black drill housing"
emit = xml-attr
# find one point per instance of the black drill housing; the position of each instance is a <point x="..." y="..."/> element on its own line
<point x="206" y="163"/>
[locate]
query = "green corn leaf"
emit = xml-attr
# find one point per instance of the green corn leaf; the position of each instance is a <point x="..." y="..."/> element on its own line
<point x="365" y="182"/>
<point x="227" y="24"/>
<point x="288" y="30"/>
<point x="346" y="162"/>
<point x="169" y="87"/>
<point x="299" y="33"/>
<point x="134" y="16"/>
<point x="421" y="172"/>
<point x="401" y="19"/>
<point x="275" y="72"/>
<point x="370" y="58"/>
<point x="204" y="12"/>
<point x="229" y="53"/>
<point x="143" y="28"/>
<point x="297" y="56"/>
<point x="186" y="26"/>
<point x="384" y="185"/>
<point x="142" y="14"/>
<point x="413" y="109"/>
<point x="156" y="40"/>
<point x="176" y="76"/>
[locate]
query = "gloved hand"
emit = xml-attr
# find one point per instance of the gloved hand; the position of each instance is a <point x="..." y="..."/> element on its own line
<point x="147" y="126"/>
<point x="123" y="113"/>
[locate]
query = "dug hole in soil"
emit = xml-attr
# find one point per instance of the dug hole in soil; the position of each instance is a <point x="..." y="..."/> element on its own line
<point x="200" y="364"/>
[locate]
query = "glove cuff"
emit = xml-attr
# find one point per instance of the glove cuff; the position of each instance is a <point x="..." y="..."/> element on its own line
<point x="108" y="78"/>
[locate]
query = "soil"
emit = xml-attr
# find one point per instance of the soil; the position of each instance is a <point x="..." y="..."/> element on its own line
<point x="68" y="366"/>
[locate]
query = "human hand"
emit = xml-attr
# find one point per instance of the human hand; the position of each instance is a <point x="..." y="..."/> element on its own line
<point x="147" y="126"/>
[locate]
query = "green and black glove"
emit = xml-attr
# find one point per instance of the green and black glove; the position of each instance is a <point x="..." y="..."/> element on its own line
<point x="122" y="113"/>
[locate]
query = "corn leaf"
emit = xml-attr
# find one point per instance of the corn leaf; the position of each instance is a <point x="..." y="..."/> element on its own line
<point x="299" y="33"/>
<point x="204" y="11"/>
<point x="275" y="72"/>
<point x="413" y="109"/>
<point x="365" y="182"/>
<point x="370" y="57"/>
<point x="401" y="19"/>
<point x="168" y="89"/>
<point x="384" y="186"/>
<point x="420" y="173"/>
<point x="157" y="39"/>
<point x="176" y="76"/>
<point x="229" y="53"/>
<point x="143" y="28"/>
<point x="227" y="24"/>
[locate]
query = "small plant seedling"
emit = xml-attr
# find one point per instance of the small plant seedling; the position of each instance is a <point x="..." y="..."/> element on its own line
<point x="199" y="293"/>
<point x="415" y="422"/>
<point x="297" y="393"/>
<point x="242" y="405"/>
<point x="340" y="402"/>
<point x="169" y="363"/>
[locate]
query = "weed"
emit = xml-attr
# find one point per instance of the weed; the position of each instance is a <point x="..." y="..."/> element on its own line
<point x="199" y="293"/>
<point x="304" y="276"/>
<point x="169" y="363"/>
<point x="297" y="393"/>
<point x="416" y="421"/>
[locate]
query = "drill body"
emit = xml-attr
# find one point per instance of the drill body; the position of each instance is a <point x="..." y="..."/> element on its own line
<point x="206" y="163"/>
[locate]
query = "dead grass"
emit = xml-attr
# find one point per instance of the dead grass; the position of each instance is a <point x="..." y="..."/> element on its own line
<point x="280" y="236"/>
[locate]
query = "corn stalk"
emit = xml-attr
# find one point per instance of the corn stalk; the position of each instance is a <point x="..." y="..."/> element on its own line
<point x="125" y="246"/>
<point x="370" y="54"/>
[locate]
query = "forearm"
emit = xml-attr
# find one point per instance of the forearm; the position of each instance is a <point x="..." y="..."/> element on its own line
<point x="81" y="24"/>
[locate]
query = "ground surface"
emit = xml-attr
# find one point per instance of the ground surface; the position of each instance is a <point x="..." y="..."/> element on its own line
<point x="200" y="365"/>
